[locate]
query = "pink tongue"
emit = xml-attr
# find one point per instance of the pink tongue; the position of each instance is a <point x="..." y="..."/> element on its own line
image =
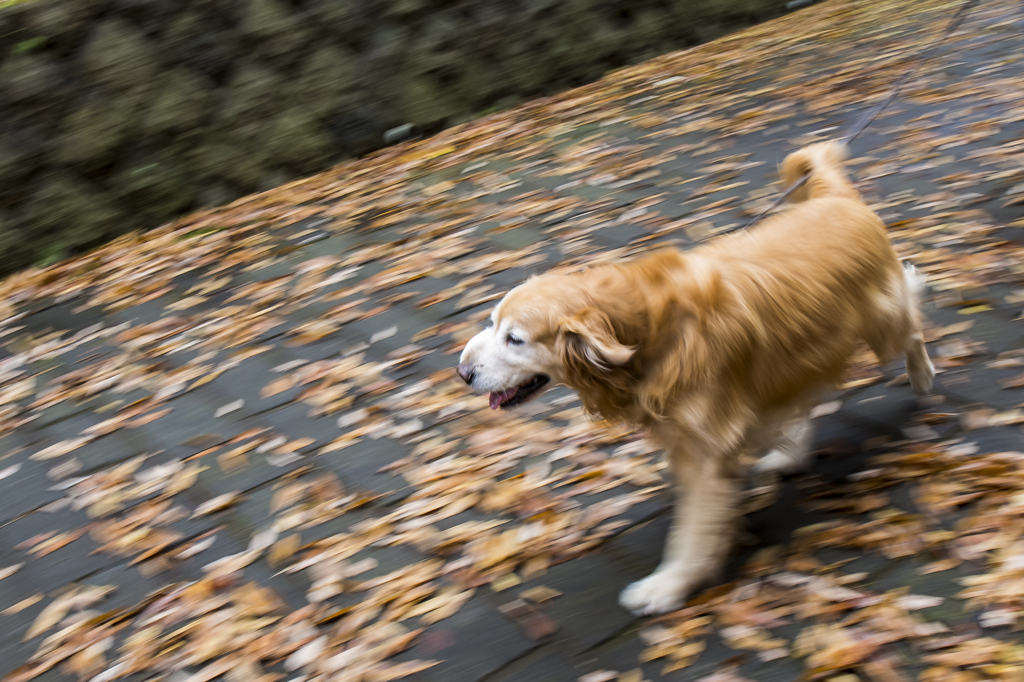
<point x="498" y="398"/>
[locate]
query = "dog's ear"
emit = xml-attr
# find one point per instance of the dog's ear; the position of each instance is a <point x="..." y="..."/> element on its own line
<point x="588" y="338"/>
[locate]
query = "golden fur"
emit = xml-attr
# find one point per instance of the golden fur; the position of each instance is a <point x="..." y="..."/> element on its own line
<point x="716" y="349"/>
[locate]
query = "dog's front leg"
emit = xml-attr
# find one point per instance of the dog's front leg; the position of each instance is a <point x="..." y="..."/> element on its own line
<point x="705" y="510"/>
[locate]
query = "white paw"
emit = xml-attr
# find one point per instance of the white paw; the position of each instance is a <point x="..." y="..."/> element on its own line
<point x="657" y="593"/>
<point x="921" y="379"/>
<point x="781" y="462"/>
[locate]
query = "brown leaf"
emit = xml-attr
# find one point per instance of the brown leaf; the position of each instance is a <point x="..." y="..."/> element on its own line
<point x="61" y="448"/>
<point x="448" y="608"/>
<point x="539" y="594"/>
<point x="217" y="504"/>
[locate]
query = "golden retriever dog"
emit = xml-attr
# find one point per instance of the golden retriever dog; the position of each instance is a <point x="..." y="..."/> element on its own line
<point x="717" y="351"/>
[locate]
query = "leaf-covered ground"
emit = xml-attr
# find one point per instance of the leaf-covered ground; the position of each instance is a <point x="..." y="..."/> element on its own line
<point x="235" y="448"/>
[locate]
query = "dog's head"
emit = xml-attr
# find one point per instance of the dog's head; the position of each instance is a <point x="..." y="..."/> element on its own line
<point x="544" y="331"/>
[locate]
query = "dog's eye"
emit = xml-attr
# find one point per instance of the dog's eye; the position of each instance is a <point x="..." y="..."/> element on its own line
<point x="513" y="340"/>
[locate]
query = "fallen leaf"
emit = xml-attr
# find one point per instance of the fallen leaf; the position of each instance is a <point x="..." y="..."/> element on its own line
<point x="217" y="504"/>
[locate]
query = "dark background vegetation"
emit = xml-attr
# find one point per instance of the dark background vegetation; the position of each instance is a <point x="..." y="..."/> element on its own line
<point x="117" y="115"/>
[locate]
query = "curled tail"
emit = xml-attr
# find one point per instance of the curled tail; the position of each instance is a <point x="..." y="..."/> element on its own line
<point x="823" y="161"/>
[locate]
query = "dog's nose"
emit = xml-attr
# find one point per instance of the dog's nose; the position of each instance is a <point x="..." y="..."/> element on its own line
<point x="466" y="372"/>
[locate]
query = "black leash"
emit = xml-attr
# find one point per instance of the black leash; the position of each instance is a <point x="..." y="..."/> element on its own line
<point x="865" y="120"/>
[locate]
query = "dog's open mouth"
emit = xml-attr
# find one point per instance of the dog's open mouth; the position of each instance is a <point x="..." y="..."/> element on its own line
<point x="517" y="395"/>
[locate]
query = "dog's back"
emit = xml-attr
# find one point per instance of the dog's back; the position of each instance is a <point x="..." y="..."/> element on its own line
<point x="809" y="284"/>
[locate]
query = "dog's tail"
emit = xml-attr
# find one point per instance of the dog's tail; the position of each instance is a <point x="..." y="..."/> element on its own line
<point x="823" y="162"/>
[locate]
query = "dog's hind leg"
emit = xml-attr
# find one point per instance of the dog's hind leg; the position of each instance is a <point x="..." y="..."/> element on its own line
<point x="919" y="367"/>
<point x="702" y="529"/>
<point x="791" y="454"/>
<point x="894" y="327"/>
